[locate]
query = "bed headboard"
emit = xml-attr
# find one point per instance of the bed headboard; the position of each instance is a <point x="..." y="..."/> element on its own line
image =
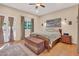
<point x="53" y="26"/>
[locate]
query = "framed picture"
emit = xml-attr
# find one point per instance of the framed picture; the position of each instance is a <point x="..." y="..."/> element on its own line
<point x="53" y="22"/>
<point x="70" y="22"/>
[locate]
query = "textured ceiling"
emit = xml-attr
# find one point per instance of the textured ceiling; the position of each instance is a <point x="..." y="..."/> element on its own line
<point x="50" y="7"/>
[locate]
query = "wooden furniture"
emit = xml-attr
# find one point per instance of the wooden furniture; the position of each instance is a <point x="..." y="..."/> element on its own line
<point x="66" y="39"/>
<point x="60" y="30"/>
<point x="35" y="44"/>
<point x="46" y="41"/>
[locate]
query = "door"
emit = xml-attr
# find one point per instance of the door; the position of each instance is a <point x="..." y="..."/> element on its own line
<point x="78" y="30"/>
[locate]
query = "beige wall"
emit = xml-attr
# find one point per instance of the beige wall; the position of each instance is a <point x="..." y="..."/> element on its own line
<point x="71" y="15"/>
<point x="16" y="13"/>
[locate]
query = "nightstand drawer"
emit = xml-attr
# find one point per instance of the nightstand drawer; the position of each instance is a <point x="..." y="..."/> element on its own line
<point x="66" y="39"/>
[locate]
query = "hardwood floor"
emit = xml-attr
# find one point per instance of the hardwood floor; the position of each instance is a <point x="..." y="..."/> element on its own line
<point x="61" y="49"/>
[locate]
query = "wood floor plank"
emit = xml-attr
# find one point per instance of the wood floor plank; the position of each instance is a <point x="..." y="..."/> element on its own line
<point x="61" y="49"/>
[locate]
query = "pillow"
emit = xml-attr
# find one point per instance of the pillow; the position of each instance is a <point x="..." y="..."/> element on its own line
<point x="33" y="34"/>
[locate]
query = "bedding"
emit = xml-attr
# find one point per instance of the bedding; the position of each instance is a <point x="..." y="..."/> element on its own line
<point x="51" y="35"/>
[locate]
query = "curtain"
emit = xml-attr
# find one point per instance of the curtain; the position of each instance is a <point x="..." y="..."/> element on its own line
<point x="11" y="20"/>
<point x="22" y="28"/>
<point x="32" y="20"/>
<point x="1" y="30"/>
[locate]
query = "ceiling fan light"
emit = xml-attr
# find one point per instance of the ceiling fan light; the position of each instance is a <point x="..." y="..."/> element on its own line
<point x="37" y="4"/>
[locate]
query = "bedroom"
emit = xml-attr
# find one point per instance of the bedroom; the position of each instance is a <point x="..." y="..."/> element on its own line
<point x="63" y="16"/>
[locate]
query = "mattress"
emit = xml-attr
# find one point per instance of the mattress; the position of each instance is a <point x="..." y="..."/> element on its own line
<point x="51" y="36"/>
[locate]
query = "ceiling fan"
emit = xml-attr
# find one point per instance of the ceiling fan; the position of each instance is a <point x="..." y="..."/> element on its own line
<point x="37" y="5"/>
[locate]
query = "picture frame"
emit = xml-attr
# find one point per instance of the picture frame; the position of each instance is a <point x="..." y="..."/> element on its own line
<point x="70" y="22"/>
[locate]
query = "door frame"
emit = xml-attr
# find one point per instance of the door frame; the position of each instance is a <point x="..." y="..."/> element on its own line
<point x="78" y="30"/>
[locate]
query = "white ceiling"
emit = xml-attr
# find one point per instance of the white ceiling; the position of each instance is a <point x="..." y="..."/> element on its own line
<point x="50" y="7"/>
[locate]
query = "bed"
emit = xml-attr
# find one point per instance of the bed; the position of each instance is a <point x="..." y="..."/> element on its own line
<point x="52" y="36"/>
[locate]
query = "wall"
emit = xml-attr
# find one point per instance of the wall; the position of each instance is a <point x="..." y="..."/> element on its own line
<point x="70" y="14"/>
<point x="17" y="13"/>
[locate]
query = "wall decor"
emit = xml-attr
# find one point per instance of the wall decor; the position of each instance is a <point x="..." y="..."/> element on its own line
<point x="53" y="23"/>
<point x="42" y="24"/>
<point x="70" y="22"/>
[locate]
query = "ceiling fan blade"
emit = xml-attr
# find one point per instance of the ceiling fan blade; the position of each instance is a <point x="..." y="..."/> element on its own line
<point x="42" y="5"/>
<point x="36" y="7"/>
<point x="32" y="4"/>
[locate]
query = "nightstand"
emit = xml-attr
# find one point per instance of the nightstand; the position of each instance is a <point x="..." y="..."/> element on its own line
<point x="66" y="39"/>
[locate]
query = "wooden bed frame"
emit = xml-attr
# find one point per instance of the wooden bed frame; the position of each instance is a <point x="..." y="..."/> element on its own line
<point x="46" y="41"/>
<point x="57" y="40"/>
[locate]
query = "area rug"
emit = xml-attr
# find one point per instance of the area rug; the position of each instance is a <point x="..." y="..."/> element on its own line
<point x="15" y="50"/>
